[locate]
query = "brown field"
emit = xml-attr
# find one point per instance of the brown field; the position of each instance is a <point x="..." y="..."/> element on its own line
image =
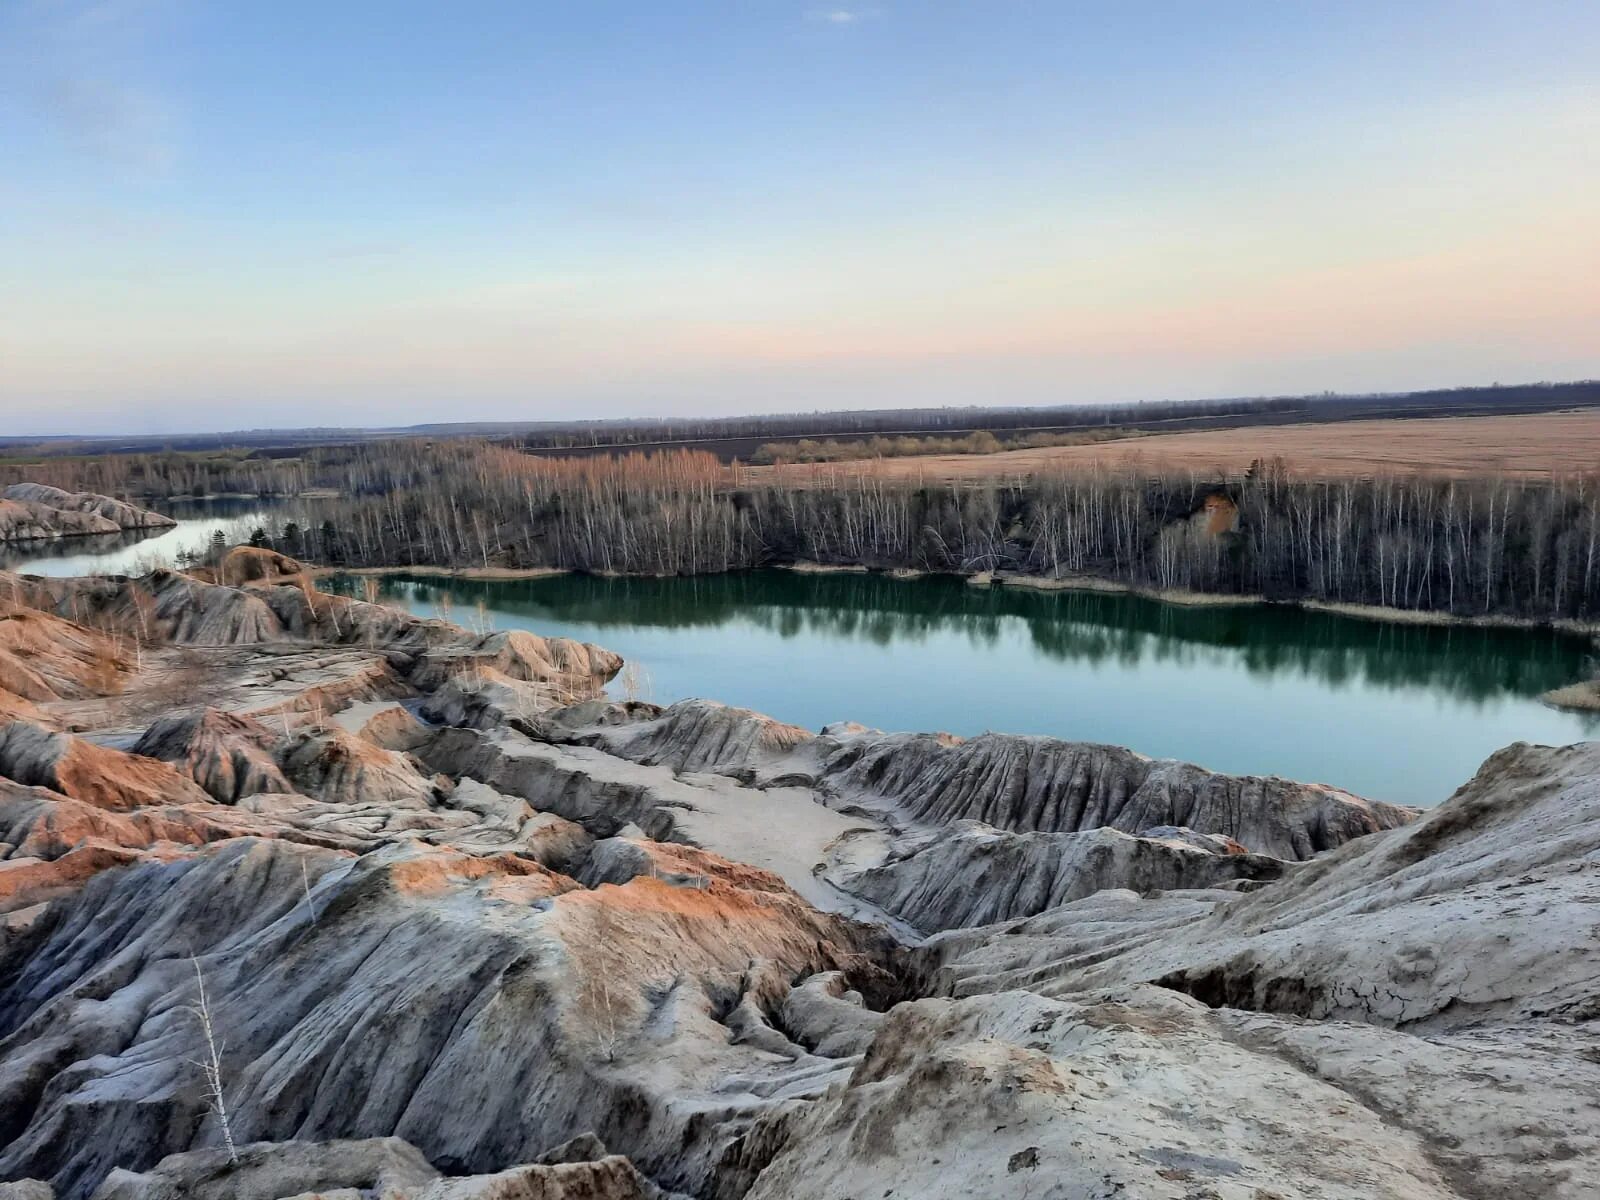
<point x="1531" y="445"/>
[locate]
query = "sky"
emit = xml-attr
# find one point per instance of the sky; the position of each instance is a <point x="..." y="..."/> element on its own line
<point x="220" y="215"/>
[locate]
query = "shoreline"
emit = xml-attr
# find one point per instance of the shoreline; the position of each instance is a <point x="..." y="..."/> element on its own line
<point x="1582" y="696"/>
<point x="447" y="572"/>
<point x="1038" y="583"/>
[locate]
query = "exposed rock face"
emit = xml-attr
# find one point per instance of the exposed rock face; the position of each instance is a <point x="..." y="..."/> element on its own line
<point x="701" y="735"/>
<point x="1028" y="784"/>
<point x="105" y="778"/>
<point x="24" y="521"/>
<point x="973" y="874"/>
<point x="230" y="756"/>
<point x="567" y="669"/>
<point x="171" y="607"/>
<point x="43" y="657"/>
<point x="58" y="508"/>
<point x="342" y="768"/>
<point x="581" y="997"/>
<point x="1021" y="784"/>
<point x="1481" y="910"/>
<point x="484" y="699"/>
<point x="352" y="1170"/>
<point x="1134" y="1094"/>
<point x="271" y="1171"/>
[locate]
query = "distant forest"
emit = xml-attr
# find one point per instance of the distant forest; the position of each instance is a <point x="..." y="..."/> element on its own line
<point x="764" y="438"/>
<point x="1465" y="546"/>
<point x="746" y="437"/>
<point x="1488" y="546"/>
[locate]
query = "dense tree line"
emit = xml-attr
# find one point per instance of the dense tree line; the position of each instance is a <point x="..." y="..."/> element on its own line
<point x="806" y="450"/>
<point x="168" y="474"/>
<point x="1466" y="546"/>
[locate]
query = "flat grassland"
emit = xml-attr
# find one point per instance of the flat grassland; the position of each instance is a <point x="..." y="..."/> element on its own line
<point x="1537" y="445"/>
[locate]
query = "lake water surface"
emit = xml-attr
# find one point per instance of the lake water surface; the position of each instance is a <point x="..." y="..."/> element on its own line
<point x="1396" y="712"/>
<point x="134" y="552"/>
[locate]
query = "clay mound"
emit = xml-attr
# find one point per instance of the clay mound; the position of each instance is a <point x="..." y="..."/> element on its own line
<point x="620" y="859"/>
<point x="228" y="755"/>
<point x="51" y="845"/>
<point x="571" y="670"/>
<point x="116" y="513"/>
<point x="39" y="823"/>
<point x="1467" y="915"/>
<point x="390" y="726"/>
<point x="1039" y="784"/>
<point x="484" y="698"/>
<point x="271" y="1171"/>
<point x="44" y="658"/>
<point x="97" y="775"/>
<point x="24" y="521"/>
<point x="170" y="606"/>
<point x="341" y="768"/>
<point x="702" y="735"/>
<point x="15" y="708"/>
<point x="509" y="824"/>
<point x="1142" y="1094"/>
<point x="163" y="606"/>
<point x="973" y="874"/>
<point x="348" y="1170"/>
<point x="243" y="565"/>
<point x="398" y="998"/>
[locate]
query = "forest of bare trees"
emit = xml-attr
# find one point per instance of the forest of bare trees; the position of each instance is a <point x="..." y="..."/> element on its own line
<point x="1466" y="546"/>
<point x="1492" y="545"/>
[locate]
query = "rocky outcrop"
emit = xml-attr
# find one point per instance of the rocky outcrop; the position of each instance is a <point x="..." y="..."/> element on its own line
<point x="701" y="735"/>
<point x="43" y="657"/>
<point x="399" y="996"/>
<point x="1136" y="1093"/>
<point x="1019" y="784"/>
<point x="781" y="830"/>
<point x="172" y="607"/>
<point x="1470" y="914"/>
<point x="483" y="699"/>
<point x="351" y="1170"/>
<point x="110" y="515"/>
<point x="25" y="521"/>
<point x="106" y="778"/>
<point x="1039" y="784"/>
<point x="342" y="768"/>
<point x="973" y="874"/>
<point x="565" y="669"/>
<point x="228" y="755"/>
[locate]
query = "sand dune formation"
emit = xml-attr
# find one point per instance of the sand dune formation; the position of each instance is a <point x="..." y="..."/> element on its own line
<point x="467" y="928"/>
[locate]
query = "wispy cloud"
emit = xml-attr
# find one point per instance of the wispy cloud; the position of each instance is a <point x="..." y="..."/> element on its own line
<point x="124" y="124"/>
<point x="79" y="63"/>
<point x="843" y="16"/>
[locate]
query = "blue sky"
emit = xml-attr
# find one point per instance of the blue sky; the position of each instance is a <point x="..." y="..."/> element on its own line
<point x="220" y="215"/>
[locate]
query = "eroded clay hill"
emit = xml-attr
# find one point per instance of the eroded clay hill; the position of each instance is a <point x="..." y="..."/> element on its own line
<point x="467" y="929"/>
<point x="34" y="511"/>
